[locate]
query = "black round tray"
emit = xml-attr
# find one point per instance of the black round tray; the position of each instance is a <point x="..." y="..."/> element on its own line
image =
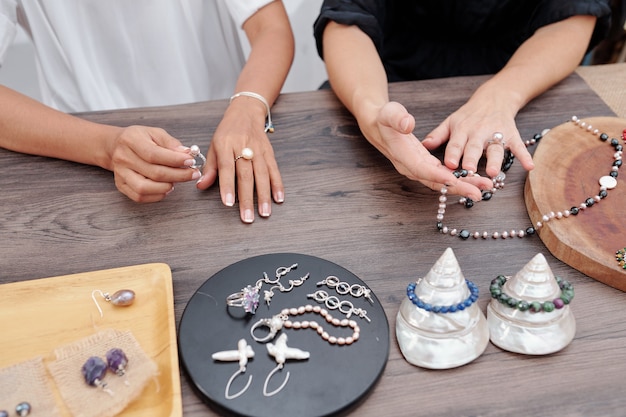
<point x="332" y="381"/>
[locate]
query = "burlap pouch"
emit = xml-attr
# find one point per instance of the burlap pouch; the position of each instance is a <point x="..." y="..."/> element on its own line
<point x="84" y="400"/>
<point x="27" y="381"/>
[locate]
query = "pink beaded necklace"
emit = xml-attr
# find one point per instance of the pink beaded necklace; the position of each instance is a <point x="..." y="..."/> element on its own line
<point x="607" y="182"/>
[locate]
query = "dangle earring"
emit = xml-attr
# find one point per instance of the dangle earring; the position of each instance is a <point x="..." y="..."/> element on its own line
<point x="242" y="354"/>
<point x="281" y="353"/>
<point x="343" y="288"/>
<point x="332" y="302"/>
<point x="121" y="298"/>
<point x="117" y="362"/>
<point x="277" y="285"/>
<point x="248" y="297"/>
<point x="94" y="370"/>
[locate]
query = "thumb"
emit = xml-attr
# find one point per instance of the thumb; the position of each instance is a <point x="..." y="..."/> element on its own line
<point x="437" y="137"/>
<point x="395" y="116"/>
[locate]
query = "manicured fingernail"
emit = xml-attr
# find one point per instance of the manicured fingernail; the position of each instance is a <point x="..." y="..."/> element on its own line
<point x="196" y="174"/>
<point x="248" y="216"/>
<point x="189" y="162"/>
<point x="280" y="197"/>
<point x="200" y="179"/>
<point x="183" y="148"/>
<point x="404" y="124"/>
<point x="171" y="189"/>
<point x="265" y="210"/>
<point x="229" y="200"/>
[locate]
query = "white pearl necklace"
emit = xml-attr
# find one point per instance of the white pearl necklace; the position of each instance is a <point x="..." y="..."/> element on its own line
<point x="607" y="182"/>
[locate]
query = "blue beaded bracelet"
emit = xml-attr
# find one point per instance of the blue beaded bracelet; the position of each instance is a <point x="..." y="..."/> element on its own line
<point x="410" y="292"/>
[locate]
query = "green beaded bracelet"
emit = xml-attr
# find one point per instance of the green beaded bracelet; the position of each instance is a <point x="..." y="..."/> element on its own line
<point x="567" y="294"/>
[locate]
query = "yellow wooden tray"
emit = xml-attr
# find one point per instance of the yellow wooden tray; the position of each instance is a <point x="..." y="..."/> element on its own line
<point x="40" y="315"/>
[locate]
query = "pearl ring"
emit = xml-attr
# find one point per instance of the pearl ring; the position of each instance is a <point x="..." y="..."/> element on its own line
<point x="246" y="153"/>
<point x="199" y="159"/>
<point x="497" y="138"/>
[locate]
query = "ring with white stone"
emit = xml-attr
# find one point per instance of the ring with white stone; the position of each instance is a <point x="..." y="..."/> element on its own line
<point x="497" y="138"/>
<point x="199" y="159"/>
<point x="246" y="153"/>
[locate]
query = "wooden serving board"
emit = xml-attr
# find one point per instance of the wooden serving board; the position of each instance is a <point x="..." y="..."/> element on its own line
<point x="38" y="316"/>
<point x="569" y="161"/>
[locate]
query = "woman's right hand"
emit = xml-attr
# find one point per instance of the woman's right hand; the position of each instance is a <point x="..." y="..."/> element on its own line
<point x="393" y="136"/>
<point x="147" y="162"/>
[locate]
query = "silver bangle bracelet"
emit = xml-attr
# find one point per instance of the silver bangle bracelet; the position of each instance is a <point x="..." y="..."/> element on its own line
<point x="269" y="126"/>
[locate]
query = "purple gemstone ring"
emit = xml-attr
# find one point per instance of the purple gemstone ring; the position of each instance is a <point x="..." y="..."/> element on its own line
<point x="247" y="298"/>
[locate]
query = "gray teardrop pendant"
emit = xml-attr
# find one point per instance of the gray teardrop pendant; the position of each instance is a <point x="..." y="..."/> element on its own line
<point x="122" y="298"/>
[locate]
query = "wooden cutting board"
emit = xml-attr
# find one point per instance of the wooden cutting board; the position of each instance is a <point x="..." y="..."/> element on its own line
<point x="569" y="161"/>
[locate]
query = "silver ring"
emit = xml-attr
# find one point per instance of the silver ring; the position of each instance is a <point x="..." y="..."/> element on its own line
<point x="497" y="138"/>
<point x="246" y="153"/>
<point x="247" y="298"/>
<point x="274" y="325"/>
<point x="199" y="159"/>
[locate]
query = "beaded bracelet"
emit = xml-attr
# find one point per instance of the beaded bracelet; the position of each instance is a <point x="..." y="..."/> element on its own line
<point x="567" y="294"/>
<point x="410" y="292"/>
<point x="619" y="257"/>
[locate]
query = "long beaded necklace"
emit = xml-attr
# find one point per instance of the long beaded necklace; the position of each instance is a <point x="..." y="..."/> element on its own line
<point x="607" y="182"/>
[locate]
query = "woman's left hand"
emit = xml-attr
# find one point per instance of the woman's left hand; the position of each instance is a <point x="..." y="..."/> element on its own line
<point x="479" y="127"/>
<point x="241" y="129"/>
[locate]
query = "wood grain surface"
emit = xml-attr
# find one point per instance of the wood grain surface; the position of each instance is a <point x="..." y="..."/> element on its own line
<point x="344" y="203"/>
<point x="570" y="161"/>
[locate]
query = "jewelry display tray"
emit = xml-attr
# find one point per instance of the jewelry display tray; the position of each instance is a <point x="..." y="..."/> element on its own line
<point x="333" y="381"/>
<point x="37" y="316"/>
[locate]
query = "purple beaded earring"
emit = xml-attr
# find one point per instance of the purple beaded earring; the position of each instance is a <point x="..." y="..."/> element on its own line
<point x="117" y="362"/>
<point x="94" y="370"/>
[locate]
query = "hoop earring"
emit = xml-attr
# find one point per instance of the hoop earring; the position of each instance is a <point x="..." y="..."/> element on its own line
<point x="281" y="352"/>
<point x="242" y="354"/>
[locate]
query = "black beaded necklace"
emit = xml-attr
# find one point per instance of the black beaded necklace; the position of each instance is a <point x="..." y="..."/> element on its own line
<point x="607" y="182"/>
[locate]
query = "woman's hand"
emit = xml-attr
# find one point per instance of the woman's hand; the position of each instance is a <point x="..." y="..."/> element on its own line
<point x="394" y="128"/>
<point x="147" y="162"/>
<point x="240" y="128"/>
<point x="481" y="126"/>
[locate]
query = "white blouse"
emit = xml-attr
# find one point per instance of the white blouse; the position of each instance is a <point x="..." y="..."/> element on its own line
<point x="98" y="55"/>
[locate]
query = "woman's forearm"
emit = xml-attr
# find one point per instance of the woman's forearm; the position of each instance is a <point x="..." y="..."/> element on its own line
<point x="272" y="52"/>
<point x="355" y="72"/>
<point x="28" y="126"/>
<point x="546" y="58"/>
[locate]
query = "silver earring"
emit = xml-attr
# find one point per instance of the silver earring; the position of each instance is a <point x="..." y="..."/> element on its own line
<point x="333" y="303"/>
<point x="343" y="288"/>
<point x="248" y="297"/>
<point x="242" y="354"/>
<point x="121" y="298"/>
<point x="281" y="353"/>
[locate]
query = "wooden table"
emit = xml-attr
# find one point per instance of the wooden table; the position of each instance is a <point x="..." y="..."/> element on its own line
<point x="344" y="203"/>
